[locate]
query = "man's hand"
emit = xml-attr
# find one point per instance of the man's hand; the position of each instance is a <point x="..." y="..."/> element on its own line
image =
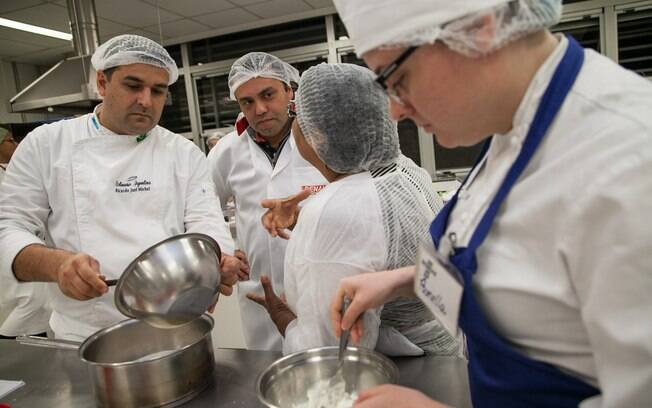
<point x="243" y="274"/>
<point x="231" y="270"/>
<point x="394" y="396"/>
<point x="282" y="214"/>
<point x="276" y="307"/>
<point x="79" y="277"/>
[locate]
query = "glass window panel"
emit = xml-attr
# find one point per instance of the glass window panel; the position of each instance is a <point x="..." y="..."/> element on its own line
<point x="456" y="158"/>
<point x="635" y="41"/>
<point x="175" y="53"/>
<point x="176" y="115"/>
<point x="273" y="38"/>
<point x="585" y="30"/>
<point x="340" y="29"/>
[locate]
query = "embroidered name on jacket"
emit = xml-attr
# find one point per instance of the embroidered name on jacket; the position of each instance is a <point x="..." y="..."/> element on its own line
<point x="132" y="185"/>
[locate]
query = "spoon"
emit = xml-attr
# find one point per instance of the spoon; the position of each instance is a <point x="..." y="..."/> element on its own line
<point x="344" y="337"/>
<point x="344" y="341"/>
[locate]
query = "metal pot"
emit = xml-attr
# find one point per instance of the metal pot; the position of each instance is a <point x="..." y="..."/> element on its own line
<point x="288" y="381"/>
<point x="133" y="364"/>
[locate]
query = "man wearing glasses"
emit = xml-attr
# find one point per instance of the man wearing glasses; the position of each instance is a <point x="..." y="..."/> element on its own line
<point x="259" y="160"/>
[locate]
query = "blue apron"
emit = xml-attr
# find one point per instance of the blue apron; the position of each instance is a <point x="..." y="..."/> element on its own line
<point x="500" y="376"/>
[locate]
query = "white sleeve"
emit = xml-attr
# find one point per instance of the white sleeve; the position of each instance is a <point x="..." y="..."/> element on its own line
<point x="24" y="205"/>
<point x="609" y="238"/>
<point x="203" y="213"/>
<point x="312" y="327"/>
<point x="217" y="158"/>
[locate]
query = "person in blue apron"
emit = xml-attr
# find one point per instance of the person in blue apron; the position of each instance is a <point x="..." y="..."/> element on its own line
<point x="542" y="258"/>
<point x="83" y="197"/>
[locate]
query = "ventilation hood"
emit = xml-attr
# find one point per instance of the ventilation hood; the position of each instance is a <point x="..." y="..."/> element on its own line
<point x="69" y="86"/>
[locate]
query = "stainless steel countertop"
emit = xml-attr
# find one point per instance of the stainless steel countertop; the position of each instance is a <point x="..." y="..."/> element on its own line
<point x="57" y="378"/>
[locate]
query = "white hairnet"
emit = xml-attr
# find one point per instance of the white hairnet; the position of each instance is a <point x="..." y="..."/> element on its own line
<point x="134" y="49"/>
<point x="380" y="24"/>
<point x="343" y="116"/>
<point x="260" y="64"/>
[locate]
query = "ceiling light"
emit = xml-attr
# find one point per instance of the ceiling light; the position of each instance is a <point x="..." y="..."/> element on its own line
<point x="35" y="29"/>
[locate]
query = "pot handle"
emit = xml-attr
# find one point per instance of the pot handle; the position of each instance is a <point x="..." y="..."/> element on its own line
<point x="50" y="343"/>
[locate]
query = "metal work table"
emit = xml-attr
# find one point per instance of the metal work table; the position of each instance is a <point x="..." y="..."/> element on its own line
<point x="57" y="378"/>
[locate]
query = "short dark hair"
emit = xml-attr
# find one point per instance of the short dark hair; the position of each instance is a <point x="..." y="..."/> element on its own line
<point x="108" y="72"/>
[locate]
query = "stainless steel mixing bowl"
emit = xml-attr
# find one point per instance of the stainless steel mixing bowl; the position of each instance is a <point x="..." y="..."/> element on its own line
<point x="286" y="382"/>
<point x="172" y="282"/>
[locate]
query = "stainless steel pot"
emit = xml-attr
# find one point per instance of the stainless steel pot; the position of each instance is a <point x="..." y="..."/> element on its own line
<point x="133" y="364"/>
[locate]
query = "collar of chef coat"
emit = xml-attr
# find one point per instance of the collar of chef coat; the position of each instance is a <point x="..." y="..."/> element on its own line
<point x="483" y="182"/>
<point x="98" y="130"/>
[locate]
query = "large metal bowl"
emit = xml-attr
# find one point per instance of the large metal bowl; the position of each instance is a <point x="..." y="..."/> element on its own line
<point x="171" y="283"/>
<point x="286" y="382"/>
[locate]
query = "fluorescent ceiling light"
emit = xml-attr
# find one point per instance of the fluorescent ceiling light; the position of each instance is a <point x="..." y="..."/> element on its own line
<point x="35" y="29"/>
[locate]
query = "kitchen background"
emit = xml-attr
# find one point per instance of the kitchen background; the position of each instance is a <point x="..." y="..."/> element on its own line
<point x="205" y="37"/>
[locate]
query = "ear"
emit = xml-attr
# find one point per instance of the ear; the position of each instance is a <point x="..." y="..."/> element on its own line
<point x="485" y="33"/>
<point x="101" y="80"/>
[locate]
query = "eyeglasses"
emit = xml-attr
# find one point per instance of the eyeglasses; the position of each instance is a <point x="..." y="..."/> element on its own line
<point x="292" y="109"/>
<point x="383" y="76"/>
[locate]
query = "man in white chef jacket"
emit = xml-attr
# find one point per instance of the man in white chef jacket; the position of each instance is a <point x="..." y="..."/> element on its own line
<point x="259" y="160"/>
<point x="83" y="197"/>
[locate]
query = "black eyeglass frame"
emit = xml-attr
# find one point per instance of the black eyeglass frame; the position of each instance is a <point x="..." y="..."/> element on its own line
<point x="383" y="76"/>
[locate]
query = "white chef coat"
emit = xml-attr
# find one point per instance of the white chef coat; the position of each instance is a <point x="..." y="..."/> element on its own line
<point x="241" y="169"/>
<point x="565" y="274"/>
<point x="340" y="233"/>
<point x="77" y="186"/>
<point x="362" y="223"/>
<point x="24" y="308"/>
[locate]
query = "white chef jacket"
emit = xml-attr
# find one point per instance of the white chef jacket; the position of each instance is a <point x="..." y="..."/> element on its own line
<point x="77" y="186"/>
<point x="565" y="274"/>
<point x="241" y="169"/>
<point x="340" y="233"/>
<point x="24" y="309"/>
